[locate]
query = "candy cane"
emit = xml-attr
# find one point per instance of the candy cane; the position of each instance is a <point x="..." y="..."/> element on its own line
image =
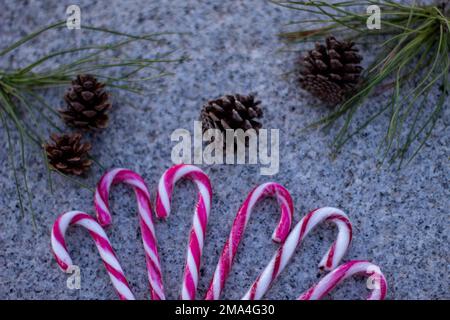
<point x="286" y="251"/>
<point x="107" y="254"/>
<point x="199" y="221"/>
<point x="240" y="222"/>
<point x="330" y="281"/>
<point x="145" y="220"/>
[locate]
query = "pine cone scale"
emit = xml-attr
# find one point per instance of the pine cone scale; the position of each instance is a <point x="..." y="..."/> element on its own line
<point x="331" y="71"/>
<point x="67" y="154"/>
<point x="87" y="104"/>
<point x="231" y="112"/>
<point x="87" y="95"/>
<point x="89" y="113"/>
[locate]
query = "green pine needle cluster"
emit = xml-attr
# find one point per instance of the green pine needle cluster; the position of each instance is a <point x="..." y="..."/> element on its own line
<point x="412" y="60"/>
<point x="22" y="91"/>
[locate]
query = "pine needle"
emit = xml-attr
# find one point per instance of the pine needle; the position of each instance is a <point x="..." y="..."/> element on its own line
<point x="22" y="90"/>
<point x="413" y="55"/>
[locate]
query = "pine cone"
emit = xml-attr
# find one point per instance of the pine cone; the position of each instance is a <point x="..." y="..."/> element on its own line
<point x="87" y="104"/>
<point x="331" y="72"/>
<point x="231" y="112"/>
<point x="67" y="154"/>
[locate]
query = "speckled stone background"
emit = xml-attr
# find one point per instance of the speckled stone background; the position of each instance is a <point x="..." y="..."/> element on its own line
<point x="401" y="219"/>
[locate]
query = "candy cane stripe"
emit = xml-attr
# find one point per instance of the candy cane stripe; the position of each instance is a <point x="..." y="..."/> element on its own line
<point x="102" y="243"/>
<point x="338" y="275"/>
<point x="290" y="240"/>
<point x="145" y="221"/>
<point x="287" y="250"/>
<point x="199" y="220"/>
<point x="240" y="222"/>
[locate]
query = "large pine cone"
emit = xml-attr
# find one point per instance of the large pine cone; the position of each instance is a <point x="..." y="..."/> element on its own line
<point x="232" y="112"/>
<point x="67" y="154"/>
<point x="331" y="72"/>
<point x="87" y="104"/>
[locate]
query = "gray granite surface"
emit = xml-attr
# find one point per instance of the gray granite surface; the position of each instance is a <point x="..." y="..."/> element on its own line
<point x="400" y="218"/>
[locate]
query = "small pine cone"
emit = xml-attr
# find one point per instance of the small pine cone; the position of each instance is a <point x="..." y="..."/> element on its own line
<point x="87" y="104"/>
<point x="332" y="71"/>
<point x="67" y="154"/>
<point x="231" y="112"/>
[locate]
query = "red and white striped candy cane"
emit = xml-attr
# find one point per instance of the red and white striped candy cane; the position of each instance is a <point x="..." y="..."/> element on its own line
<point x="199" y="221"/>
<point x="104" y="247"/>
<point x="145" y="220"/>
<point x="377" y="283"/>
<point x="237" y="231"/>
<point x="286" y="251"/>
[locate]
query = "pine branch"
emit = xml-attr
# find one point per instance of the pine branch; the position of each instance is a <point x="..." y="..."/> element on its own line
<point x="22" y="89"/>
<point x="413" y="60"/>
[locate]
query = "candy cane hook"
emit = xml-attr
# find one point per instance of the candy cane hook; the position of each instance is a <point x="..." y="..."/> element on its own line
<point x="145" y="221"/>
<point x="104" y="247"/>
<point x="286" y="251"/>
<point x="334" y="278"/>
<point x="240" y="222"/>
<point x="199" y="221"/>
